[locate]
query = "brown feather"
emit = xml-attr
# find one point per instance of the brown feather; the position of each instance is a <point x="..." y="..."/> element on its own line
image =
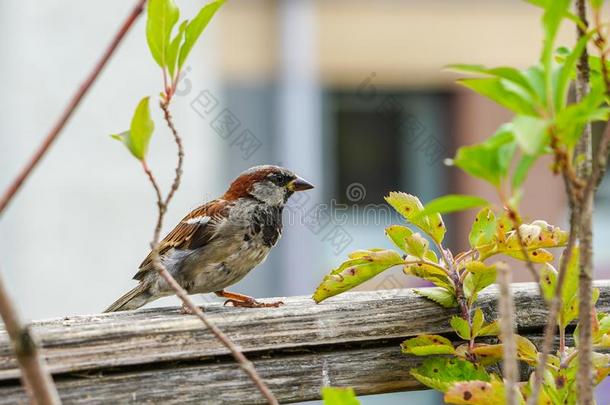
<point x="189" y="235"/>
<point x="241" y="186"/>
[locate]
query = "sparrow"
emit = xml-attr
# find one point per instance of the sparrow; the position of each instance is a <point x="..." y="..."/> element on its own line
<point x="218" y="243"/>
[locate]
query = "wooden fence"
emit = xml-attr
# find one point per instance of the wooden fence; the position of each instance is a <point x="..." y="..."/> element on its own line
<point x="159" y="355"/>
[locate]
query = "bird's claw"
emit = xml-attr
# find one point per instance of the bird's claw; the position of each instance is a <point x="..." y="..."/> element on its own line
<point x="253" y="304"/>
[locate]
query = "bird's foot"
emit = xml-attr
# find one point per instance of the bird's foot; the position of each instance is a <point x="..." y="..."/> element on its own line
<point x="185" y="310"/>
<point x="252" y="303"/>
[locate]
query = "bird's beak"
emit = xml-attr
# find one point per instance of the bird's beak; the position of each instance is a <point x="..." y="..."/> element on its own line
<point x="299" y="184"/>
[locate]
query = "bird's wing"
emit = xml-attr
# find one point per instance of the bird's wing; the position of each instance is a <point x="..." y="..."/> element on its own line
<point x="194" y="231"/>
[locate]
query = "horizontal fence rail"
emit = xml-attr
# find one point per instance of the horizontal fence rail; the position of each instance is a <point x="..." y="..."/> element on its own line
<point x="159" y="355"/>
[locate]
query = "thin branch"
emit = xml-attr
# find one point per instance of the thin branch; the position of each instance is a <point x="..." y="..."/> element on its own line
<point x="170" y="123"/>
<point x="37" y="380"/>
<point x="507" y="335"/>
<point x="584" y="171"/>
<point x="14" y="187"/>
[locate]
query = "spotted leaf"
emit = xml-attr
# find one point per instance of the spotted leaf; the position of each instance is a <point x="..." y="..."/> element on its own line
<point x="425" y="345"/>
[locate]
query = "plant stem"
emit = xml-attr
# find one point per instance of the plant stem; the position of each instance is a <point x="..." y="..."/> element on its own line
<point x="16" y="184"/>
<point x="584" y="171"/>
<point x="507" y="335"/>
<point x="37" y="380"/>
<point x="168" y="119"/>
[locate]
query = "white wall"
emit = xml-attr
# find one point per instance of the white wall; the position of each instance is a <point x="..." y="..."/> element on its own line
<point x="74" y="236"/>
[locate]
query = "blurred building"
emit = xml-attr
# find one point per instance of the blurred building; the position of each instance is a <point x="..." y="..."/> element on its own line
<point x="349" y="94"/>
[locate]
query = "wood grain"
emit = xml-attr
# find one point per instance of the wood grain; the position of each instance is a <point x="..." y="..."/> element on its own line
<point x="159" y="355"/>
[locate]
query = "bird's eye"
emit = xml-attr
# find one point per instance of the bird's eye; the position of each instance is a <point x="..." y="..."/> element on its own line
<point x="278" y="179"/>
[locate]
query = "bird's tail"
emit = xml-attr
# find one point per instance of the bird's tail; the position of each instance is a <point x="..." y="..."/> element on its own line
<point x="133" y="299"/>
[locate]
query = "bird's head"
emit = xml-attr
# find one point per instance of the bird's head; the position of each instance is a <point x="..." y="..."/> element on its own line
<point x="270" y="184"/>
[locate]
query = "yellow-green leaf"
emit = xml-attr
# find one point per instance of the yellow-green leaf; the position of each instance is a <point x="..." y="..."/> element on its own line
<point x="440" y="373"/>
<point x="478" y="319"/>
<point x="478" y="280"/>
<point x="425" y="345"/>
<point x="409" y="207"/>
<point x="397" y="234"/>
<point x="488" y="354"/>
<point x="548" y="281"/>
<point x="526" y="351"/>
<point x="428" y="272"/>
<point x="483" y="229"/>
<point x="339" y="396"/>
<point x="440" y="295"/>
<point x="416" y="245"/>
<point x="490" y="329"/>
<point x="142" y="127"/>
<point x="460" y="326"/>
<point x="355" y="271"/>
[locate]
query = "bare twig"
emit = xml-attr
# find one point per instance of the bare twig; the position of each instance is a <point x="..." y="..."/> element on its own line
<point x="507" y="334"/>
<point x="14" y="187"/>
<point x="584" y="156"/>
<point x="170" y="123"/>
<point x="35" y="376"/>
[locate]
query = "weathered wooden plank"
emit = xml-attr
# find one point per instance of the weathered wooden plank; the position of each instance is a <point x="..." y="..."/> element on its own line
<point x="144" y="337"/>
<point x="291" y="378"/>
<point x="370" y="369"/>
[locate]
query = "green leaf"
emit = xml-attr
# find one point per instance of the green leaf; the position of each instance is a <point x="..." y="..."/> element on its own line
<point x="440" y="373"/>
<point x="503" y="92"/>
<point x="571" y="121"/>
<point x="425" y="345"/>
<point x="452" y="203"/>
<point x="355" y="271"/>
<point x="554" y="12"/>
<point x="339" y="396"/>
<point x="196" y="27"/>
<point x="441" y="296"/>
<point x="523" y="167"/>
<point x="162" y="16"/>
<point x="531" y="133"/>
<point x="567" y="70"/>
<point x="483" y="229"/>
<point x="409" y="207"/>
<point x="475" y="282"/>
<point x="142" y="127"/>
<point x="460" y="326"/>
<point x="503" y="72"/>
<point x="397" y="234"/>
<point x="491" y="159"/>
<point x="174" y="47"/>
